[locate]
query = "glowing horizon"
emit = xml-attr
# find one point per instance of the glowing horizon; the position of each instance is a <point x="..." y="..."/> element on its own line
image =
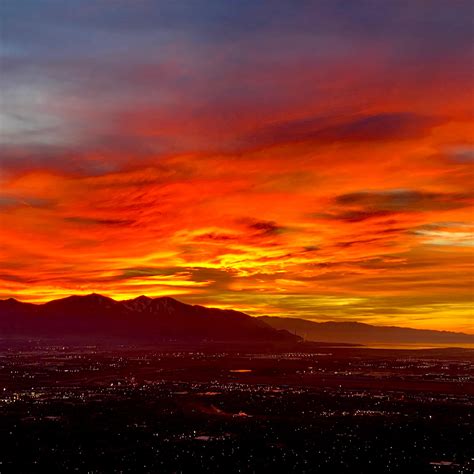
<point x="312" y="162"/>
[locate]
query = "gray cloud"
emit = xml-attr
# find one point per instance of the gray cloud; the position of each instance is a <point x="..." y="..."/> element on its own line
<point x="379" y="127"/>
<point x="266" y="227"/>
<point x="403" y="201"/>
<point x="105" y="222"/>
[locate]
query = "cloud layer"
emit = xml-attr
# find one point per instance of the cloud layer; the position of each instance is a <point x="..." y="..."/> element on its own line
<point x="307" y="161"/>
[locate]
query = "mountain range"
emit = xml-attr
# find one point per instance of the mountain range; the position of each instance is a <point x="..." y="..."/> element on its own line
<point x="361" y="333"/>
<point x="166" y="319"/>
<point x="142" y="318"/>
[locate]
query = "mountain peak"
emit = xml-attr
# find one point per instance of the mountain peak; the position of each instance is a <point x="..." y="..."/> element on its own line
<point x="97" y="296"/>
<point x="167" y="299"/>
<point x="144" y="303"/>
<point x="93" y="297"/>
<point x="142" y="298"/>
<point x="11" y="301"/>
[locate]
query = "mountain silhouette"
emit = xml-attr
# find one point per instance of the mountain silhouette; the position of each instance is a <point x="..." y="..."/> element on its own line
<point x="166" y="319"/>
<point x="141" y="318"/>
<point x="361" y="333"/>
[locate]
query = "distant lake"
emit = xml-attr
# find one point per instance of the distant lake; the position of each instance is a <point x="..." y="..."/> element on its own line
<point x="417" y="345"/>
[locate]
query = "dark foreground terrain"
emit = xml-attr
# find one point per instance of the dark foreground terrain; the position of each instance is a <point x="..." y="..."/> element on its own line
<point x="344" y="410"/>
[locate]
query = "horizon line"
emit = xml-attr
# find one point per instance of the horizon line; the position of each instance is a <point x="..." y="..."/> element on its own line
<point x="231" y="309"/>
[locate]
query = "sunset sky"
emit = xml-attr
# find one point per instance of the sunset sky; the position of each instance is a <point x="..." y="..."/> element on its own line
<point x="306" y="159"/>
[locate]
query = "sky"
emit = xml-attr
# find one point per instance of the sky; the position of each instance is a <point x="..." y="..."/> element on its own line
<point x="305" y="159"/>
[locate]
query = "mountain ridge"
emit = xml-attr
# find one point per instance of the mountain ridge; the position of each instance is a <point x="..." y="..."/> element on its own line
<point x="363" y="333"/>
<point x="168" y="318"/>
<point x="162" y="318"/>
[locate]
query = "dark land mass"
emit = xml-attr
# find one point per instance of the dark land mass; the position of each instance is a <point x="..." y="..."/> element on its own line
<point x="94" y="318"/>
<point x="361" y="333"/>
<point x="133" y="409"/>
<point x="89" y="384"/>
